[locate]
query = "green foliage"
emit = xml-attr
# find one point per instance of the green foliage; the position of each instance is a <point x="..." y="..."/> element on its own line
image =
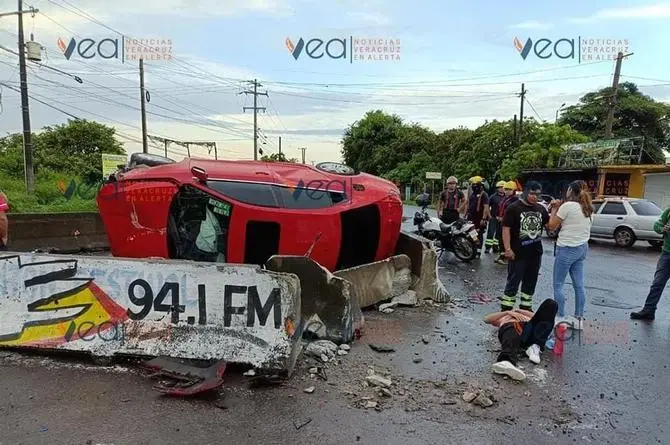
<point x="277" y="157"/>
<point x="61" y="153"/>
<point x="48" y="198"/>
<point x="368" y="141"/>
<point x="542" y="149"/>
<point x="404" y="153"/>
<point x="73" y="149"/>
<point x="635" y="115"/>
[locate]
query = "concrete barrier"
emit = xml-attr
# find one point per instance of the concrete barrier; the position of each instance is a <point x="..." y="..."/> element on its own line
<point x="63" y="231"/>
<point x="328" y="309"/>
<point x="180" y="309"/>
<point x="379" y="281"/>
<point x="425" y="280"/>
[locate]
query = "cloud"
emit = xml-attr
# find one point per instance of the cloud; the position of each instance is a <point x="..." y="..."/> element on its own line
<point x="369" y="18"/>
<point x="532" y="24"/>
<point x="656" y="11"/>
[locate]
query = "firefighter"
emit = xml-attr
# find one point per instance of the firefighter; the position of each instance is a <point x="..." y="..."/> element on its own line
<point x="492" y="234"/>
<point x="478" y="209"/>
<point x="510" y="197"/>
<point x="452" y="202"/>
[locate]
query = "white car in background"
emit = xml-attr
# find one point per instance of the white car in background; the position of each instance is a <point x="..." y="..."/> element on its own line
<point x="626" y="220"/>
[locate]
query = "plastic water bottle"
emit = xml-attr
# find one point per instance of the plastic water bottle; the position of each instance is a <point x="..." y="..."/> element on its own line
<point x="550" y="343"/>
<point x="561" y="329"/>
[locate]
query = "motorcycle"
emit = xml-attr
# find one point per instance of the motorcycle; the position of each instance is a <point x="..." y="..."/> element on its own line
<point x="459" y="237"/>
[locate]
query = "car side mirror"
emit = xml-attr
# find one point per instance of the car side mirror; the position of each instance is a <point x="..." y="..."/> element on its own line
<point x="200" y="174"/>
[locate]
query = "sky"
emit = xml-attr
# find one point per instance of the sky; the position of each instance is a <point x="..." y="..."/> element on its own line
<point x="444" y="64"/>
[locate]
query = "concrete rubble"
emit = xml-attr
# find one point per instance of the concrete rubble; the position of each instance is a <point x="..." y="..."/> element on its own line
<point x="322" y="349"/>
<point x="407" y="299"/>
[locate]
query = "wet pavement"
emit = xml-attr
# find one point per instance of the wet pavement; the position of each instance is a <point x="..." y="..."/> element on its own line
<point x="611" y="385"/>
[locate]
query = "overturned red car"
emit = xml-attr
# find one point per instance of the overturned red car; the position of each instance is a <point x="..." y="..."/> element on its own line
<point x="247" y="211"/>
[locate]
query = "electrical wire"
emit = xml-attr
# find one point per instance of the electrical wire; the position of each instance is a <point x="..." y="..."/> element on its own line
<point x="212" y="122"/>
<point x="533" y="108"/>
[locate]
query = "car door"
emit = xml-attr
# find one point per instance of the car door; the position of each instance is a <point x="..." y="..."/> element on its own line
<point x="644" y="215"/>
<point x="597" y="226"/>
<point x="612" y="215"/>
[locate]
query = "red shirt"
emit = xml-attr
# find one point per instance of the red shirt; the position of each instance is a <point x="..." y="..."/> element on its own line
<point x="4" y="206"/>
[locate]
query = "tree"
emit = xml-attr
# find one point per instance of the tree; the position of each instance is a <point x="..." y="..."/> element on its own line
<point x="72" y="149"/>
<point x="277" y="157"/>
<point x="635" y="115"/>
<point x="542" y="148"/>
<point x="367" y="141"/>
<point x="76" y="148"/>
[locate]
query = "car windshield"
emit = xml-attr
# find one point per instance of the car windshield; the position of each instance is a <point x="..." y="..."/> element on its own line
<point x="646" y="208"/>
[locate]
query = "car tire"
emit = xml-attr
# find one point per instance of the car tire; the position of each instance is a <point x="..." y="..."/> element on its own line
<point x="624" y="237"/>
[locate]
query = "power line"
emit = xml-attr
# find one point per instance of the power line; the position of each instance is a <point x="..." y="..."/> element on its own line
<point x="217" y="124"/>
<point x="435" y="82"/>
<point x="534" y="110"/>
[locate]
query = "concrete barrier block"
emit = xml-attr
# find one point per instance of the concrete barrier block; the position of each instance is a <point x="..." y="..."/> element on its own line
<point x="379" y="281"/>
<point x="63" y="231"/>
<point x="426" y="282"/>
<point x="325" y="298"/>
<point x="180" y="309"/>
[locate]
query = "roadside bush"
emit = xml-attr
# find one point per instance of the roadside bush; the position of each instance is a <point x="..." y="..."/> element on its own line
<point x="48" y="196"/>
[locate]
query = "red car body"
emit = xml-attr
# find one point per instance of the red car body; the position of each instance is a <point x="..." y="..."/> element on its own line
<point x="339" y="217"/>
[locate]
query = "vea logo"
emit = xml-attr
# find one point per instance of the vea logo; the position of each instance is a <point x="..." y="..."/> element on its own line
<point x="317" y="48"/>
<point x="545" y="48"/>
<point x="347" y="49"/>
<point x="581" y="48"/>
<point x="124" y="49"/>
<point x="89" y="48"/>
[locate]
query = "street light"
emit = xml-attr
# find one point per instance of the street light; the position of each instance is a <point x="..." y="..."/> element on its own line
<point x="556" y="119"/>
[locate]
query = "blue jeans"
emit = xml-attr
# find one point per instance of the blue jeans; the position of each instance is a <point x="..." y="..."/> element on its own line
<point x="570" y="259"/>
<point x="660" y="280"/>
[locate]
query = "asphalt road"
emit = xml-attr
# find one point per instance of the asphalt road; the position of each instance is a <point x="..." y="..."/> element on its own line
<point x="611" y="385"/>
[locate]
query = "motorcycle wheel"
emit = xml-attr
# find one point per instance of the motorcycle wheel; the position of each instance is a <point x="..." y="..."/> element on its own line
<point x="464" y="248"/>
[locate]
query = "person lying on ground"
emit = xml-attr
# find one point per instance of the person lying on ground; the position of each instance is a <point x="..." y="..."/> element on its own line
<point x="521" y="329"/>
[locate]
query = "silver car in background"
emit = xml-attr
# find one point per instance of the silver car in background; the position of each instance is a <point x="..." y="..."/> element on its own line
<point x="626" y="220"/>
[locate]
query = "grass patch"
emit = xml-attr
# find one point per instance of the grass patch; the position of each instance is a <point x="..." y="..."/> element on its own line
<point x="48" y="197"/>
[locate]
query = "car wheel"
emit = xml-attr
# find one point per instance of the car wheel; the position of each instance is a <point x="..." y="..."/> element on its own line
<point x="624" y="237"/>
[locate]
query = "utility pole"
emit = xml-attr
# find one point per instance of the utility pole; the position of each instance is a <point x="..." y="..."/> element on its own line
<point x="145" y="145"/>
<point x="522" y="95"/>
<point x="303" y="153"/>
<point x="280" y="146"/>
<point x="166" y="142"/>
<point x="255" y="108"/>
<point x="612" y="102"/>
<point x="25" y="108"/>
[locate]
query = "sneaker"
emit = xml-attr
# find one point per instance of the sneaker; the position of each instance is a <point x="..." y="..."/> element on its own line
<point x="533" y="353"/>
<point x="578" y="323"/>
<point x="643" y="315"/>
<point x="508" y="369"/>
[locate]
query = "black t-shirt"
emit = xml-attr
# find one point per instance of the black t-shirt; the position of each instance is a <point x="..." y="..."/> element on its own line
<point x="526" y="223"/>
<point x="476" y="206"/>
<point x="494" y="201"/>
